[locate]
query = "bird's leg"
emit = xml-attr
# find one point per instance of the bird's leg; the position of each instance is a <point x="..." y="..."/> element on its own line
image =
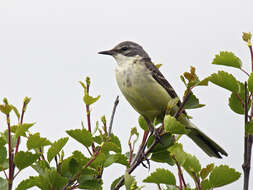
<point x="153" y="130"/>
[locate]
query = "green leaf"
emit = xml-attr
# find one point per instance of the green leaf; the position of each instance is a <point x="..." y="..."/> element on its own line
<point x="88" y="100"/>
<point x="100" y="159"/>
<point x="129" y="181"/>
<point x="173" y="126"/>
<point x="172" y="187"/>
<point x="6" y="109"/>
<point x="41" y="166"/>
<point x="56" y="148"/>
<point x="225" y="80"/>
<point x="56" y="181"/>
<point x="227" y="59"/>
<point x="83" y="85"/>
<point x="142" y="123"/>
<point x="3" y="184"/>
<point x="223" y="175"/>
<point x="3" y="141"/>
<point x="28" y="183"/>
<point x="35" y="141"/>
<point x="250" y="82"/>
<point x="86" y="183"/>
<point x="192" y="164"/>
<point x="236" y="100"/>
<point x="110" y="146"/>
<point x="192" y="102"/>
<point x="16" y="111"/>
<point x="161" y="176"/>
<point x="177" y="151"/>
<point x="172" y="103"/>
<point x="163" y="157"/>
<point x="3" y="154"/>
<point x="115" y="182"/>
<point x="203" y="82"/>
<point x="205" y="185"/>
<point x="249" y="128"/>
<point x="116" y="158"/>
<point x="166" y="141"/>
<point x="246" y="36"/>
<point x="21" y="129"/>
<point x="114" y="139"/>
<point x="25" y="159"/>
<point x="83" y="136"/>
<point x="205" y="171"/>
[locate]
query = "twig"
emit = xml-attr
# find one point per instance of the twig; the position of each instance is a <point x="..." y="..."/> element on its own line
<point x="244" y="71"/>
<point x="180" y="174"/>
<point x="197" y="182"/>
<point x="113" y="113"/>
<point x="86" y="166"/>
<point x="10" y="153"/>
<point x="5" y="173"/>
<point x="159" y="186"/>
<point x="88" y="118"/>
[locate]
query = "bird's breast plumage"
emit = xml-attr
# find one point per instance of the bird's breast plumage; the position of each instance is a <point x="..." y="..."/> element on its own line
<point x="145" y="95"/>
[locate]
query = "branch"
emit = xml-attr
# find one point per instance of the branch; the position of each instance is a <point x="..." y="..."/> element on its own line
<point x="113" y="113"/>
<point x="10" y="150"/>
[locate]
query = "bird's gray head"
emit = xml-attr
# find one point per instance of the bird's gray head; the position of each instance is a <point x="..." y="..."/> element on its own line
<point x="126" y="51"/>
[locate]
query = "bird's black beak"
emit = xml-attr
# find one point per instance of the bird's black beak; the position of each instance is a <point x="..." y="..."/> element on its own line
<point x="108" y="52"/>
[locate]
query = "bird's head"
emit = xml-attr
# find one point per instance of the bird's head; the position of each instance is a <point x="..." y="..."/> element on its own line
<point x="126" y="51"/>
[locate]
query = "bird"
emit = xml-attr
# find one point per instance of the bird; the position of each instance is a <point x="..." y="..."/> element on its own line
<point x="148" y="91"/>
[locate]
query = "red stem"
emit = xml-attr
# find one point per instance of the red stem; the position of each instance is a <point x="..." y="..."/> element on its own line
<point x="10" y="154"/>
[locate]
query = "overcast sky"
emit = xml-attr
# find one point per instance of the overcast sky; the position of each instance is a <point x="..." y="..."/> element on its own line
<point x="47" y="46"/>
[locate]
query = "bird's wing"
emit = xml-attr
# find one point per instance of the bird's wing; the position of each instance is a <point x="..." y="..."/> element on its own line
<point x="158" y="76"/>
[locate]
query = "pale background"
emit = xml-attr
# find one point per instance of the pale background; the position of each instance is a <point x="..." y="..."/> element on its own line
<point x="47" y="46"/>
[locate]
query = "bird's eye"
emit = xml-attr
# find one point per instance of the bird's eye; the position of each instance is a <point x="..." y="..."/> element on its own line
<point x="124" y="48"/>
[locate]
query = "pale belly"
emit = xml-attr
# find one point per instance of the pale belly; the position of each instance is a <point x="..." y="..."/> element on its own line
<point x="145" y="95"/>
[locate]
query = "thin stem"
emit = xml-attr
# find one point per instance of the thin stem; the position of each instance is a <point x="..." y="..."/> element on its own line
<point x="239" y="97"/>
<point x="197" y="182"/>
<point x="86" y="166"/>
<point x="10" y="153"/>
<point x="159" y="186"/>
<point x="5" y="174"/>
<point x="244" y="71"/>
<point x="251" y="55"/>
<point x="113" y="113"/>
<point x="88" y="118"/>
<point x="180" y="173"/>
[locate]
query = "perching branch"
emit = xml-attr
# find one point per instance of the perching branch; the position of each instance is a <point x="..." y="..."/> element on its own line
<point x="113" y="113"/>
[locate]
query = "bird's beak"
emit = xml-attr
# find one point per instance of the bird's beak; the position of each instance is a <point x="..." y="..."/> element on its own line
<point x="108" y="52"/>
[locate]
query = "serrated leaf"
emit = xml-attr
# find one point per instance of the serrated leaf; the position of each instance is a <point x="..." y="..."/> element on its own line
<point x="225" y="80"/>
<point x="40" y="166"/>
<point x="173" y="126"/>
<point x="56" y="181"/>
<point x="129" y="181"/>
<point x="205" y="185"/>
<point x="203" y="82"/>
<point x="250" y="82"/>
<point x="236" y="100"/>
<point x="100" y="159"/>
<point x="114" y="139"/>
<point x="88" y="100"/>
<point x="25" y="159"/>
<point x="3" y="154"/>
<point x="227" y="59"/>
<point x="115" y="182"/>
<point x="249" y="128"/>
<point x="205" y="171"/>
<point x="35" y="141"/>
<point x="177" y="151"/>
<point x="3" y="184"/>
<point x="223" y="175"/>
<point x="95" y="184"/>
<point x="192" y="102"/>
<point x="110" y="146"/>
<point x="161" y="176"/>
<point x="163" y="157"/>
<point x="15" y="111"/>
<point x="21" y="129"/>
<point x="28" y="183"/>
<point x="142" y="123"/>
<point x="116" y="158"/>
<point x="3" y="141"/>
<point x="166" y="141"/>
<point x="56" y="148"/>
<point x="83" y="136"/>
<point x="192" y="164"/>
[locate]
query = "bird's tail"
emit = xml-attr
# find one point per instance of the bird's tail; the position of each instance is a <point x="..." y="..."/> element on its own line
<point x="204" y="142"/>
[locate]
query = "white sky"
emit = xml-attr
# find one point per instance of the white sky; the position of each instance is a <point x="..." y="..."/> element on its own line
<point x="47" y="46"/>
